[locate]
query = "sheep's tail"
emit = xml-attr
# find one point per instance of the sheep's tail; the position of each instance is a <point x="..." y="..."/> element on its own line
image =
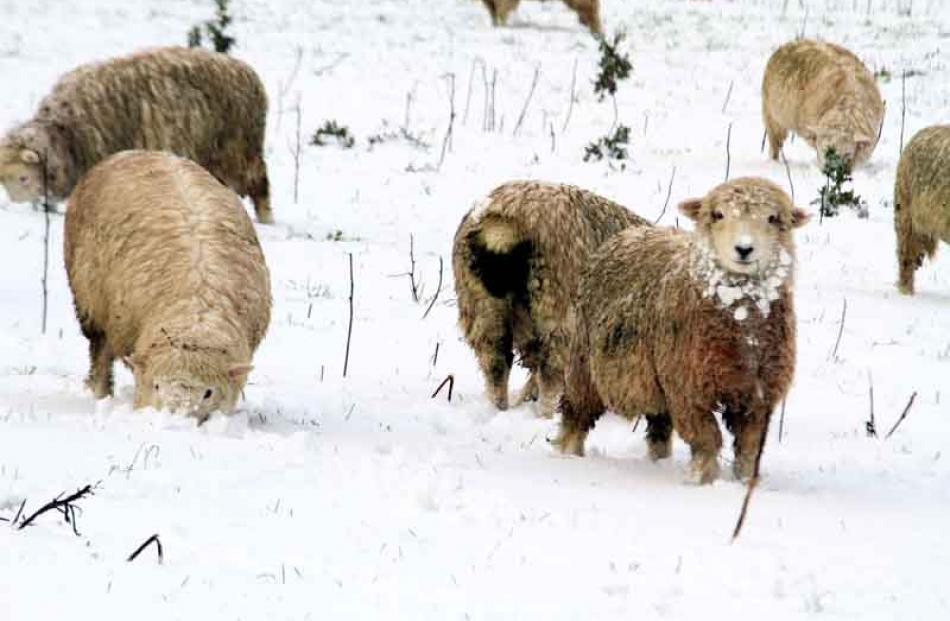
<point x="500" y="257"/>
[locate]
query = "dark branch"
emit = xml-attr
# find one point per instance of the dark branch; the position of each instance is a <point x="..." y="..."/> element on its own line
<point x="158" y="548"/>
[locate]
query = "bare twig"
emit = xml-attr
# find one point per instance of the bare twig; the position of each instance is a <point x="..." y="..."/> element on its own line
<point x="447" y="141"/>
<point x="570" y="104"/>
<point x="412" y="270"/>
<point x="788" y="171"/>
<point x="728" y="94"/>
<point x="781" y="423"/>
<point x="438" y="290"/>
<point x="349" y="329"/>
<point x="158" y="548"/>
<point x="903" y="106"/>
<point x="754" y="481"/>
<point x="46" y="210"/>
<point x="765" y="133"/>
<point x="669" y="192"/>
<point x="435" y="356"/>
<point x="527" y="101"/>
<point x="903" y="416"/>
<point x="297" y="153"/>
<point x="450" y="380"/>
<point x="844" y="313"/>
<point x="59" y="504"/>
<point x="869" y="426"/>
<point x="468" y="94"/>
<point x="728" y="153"/>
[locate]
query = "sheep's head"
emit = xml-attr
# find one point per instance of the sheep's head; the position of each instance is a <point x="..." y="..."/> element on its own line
<point x="836" y="132"/>
<point x="21" y="174"/>
<point x="187" y="382"/>
<point x="746" y="223"/>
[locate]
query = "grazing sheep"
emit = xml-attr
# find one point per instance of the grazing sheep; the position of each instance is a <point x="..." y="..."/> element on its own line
<point x="167" y="274"/>
<point x="517" y="258"/>
<point x="922" y="200"/>
<point x="588" y="12"/>
<point x="678" y="326"/>
<point x="826" y="95"/>
<point x="201" y="105"/>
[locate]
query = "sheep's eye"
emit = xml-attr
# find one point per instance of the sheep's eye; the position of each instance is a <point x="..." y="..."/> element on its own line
<point x="773" y="219"/>
<point x="23" y="180"/>
<point x="156" y="386"/>
<point x="208" y="394"/>
<point x="716" y="215"/>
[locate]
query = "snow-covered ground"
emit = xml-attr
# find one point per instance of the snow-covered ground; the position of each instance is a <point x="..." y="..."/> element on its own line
<point x="326" y="497"/>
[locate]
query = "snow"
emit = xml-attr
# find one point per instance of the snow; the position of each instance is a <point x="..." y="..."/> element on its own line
<point x="361" y="497"/>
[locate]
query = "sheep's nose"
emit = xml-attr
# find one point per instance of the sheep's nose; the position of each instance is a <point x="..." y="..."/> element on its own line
<point x="743" y="251"/>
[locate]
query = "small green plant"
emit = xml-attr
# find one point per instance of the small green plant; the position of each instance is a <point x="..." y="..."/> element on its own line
<point x="339" y="133"/>
<point x="336" y="236"/>
<point x="614" y="66"/>
<point x="832" y="196"/>
<point x="612" y="146"/>
<point x="217" y="29"/>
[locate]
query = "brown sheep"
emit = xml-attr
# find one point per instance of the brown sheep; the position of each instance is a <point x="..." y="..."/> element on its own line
<point x="588" y="12"/>
<point x="517" y="258"/>
<point x="678" y="326"/>
<point x="205" y="106"/>
<point x="826" y="95"/>
<point x="922" y="201"/>
<point x="167" y="274"/>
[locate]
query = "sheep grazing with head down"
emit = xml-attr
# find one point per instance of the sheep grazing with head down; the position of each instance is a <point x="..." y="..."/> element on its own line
<point x="678" y="326"/>
<point x="205" y="106"/>
<point x="517" y="258"/>
<point x="588" y="12"/>
<point x="922" y="201"/>
<point x="167" y="274"/>
<point x="826" y="95"/>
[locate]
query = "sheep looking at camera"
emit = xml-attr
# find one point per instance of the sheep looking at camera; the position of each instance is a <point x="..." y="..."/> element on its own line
<point x="678" y="326"/>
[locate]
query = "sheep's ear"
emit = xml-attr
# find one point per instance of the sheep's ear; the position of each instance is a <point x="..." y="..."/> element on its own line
<point x="691" y="207"/>
<point x="29" y="156"/>
<point x="239" y="372"/>
<point x="800" y="217"/>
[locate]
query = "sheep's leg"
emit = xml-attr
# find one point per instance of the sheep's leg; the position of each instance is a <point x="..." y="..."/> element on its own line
<point x="259" y="190"/>
<point x="100" y="378"/>
<point x="495" y="356"/>
<point x="581" y="404"/>
<point x="503" y="8"/>
<point x="746" y="427"/>
<point x="530" y="390"/>
<point x="912" y="248"/>
<point x="659" y="435"/>
<point x="550" y="386"/>
<point x="588" y="12"/>
<point x="698" y="428"/>
<point x="775" y="132"/>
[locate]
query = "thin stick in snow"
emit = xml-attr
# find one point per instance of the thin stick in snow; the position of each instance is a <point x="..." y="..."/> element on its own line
<point x="728" y="94"/>
<point x="781" y="423"/>
<point x="468" y="94"/>
<point x="527" y="101"/>
<point x="413" y="287"/>
<point x="65" y="505"/>
<point x="46" y="210"/>
<point x="158" y="548"/>
<point x="447" y="140"/>
<point x="349" y="329"/>
<point x="902" y="417"/>
<point x="438" y="290"/>
<point x="669" y="192"/>
<point x="450" y="380"/>
<point x="435" y="356"/>
<point x="788" y="171"/>
<point x="728" y="153"/>
<point x="297" y="153"/>
<point x="570" y="104"/>
<point x="869" y="426"/>
<point x="903" y="106"/>
<point x="844" y="314"/>
<point x="754" y="481"/>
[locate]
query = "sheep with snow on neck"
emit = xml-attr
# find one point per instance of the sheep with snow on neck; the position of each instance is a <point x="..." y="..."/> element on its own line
<point x="679" y="326"/>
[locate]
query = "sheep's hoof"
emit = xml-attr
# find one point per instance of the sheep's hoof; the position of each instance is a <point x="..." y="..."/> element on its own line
<point x="528" y="393"/>
<point x="743" y="467"/>
<point x="660" y="449"/>
<point x="905" y="289"/>
<point x="703" y="470"/>
<point x="546" y="406"/>
<point x="265" y="218"/>
<point x="500" y="399"/>
<point x="570" y="442"/>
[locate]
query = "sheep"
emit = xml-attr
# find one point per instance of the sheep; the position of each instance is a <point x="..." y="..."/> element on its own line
<point x="677" y="326"/>
<point x="826" y="95"/>
<point x="195" y="103"/>
<point x="921" y="201"/>
<point x="516" y="258"/>
<point x="167" y="274"/>
<point x="588" y="12"/>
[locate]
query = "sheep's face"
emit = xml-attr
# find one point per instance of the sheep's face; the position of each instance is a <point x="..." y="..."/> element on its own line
<point x="835" y="134"/>
<point x="747" y="225"/>
<point x="196" y="392"/>
<point x="21" y="175"/>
